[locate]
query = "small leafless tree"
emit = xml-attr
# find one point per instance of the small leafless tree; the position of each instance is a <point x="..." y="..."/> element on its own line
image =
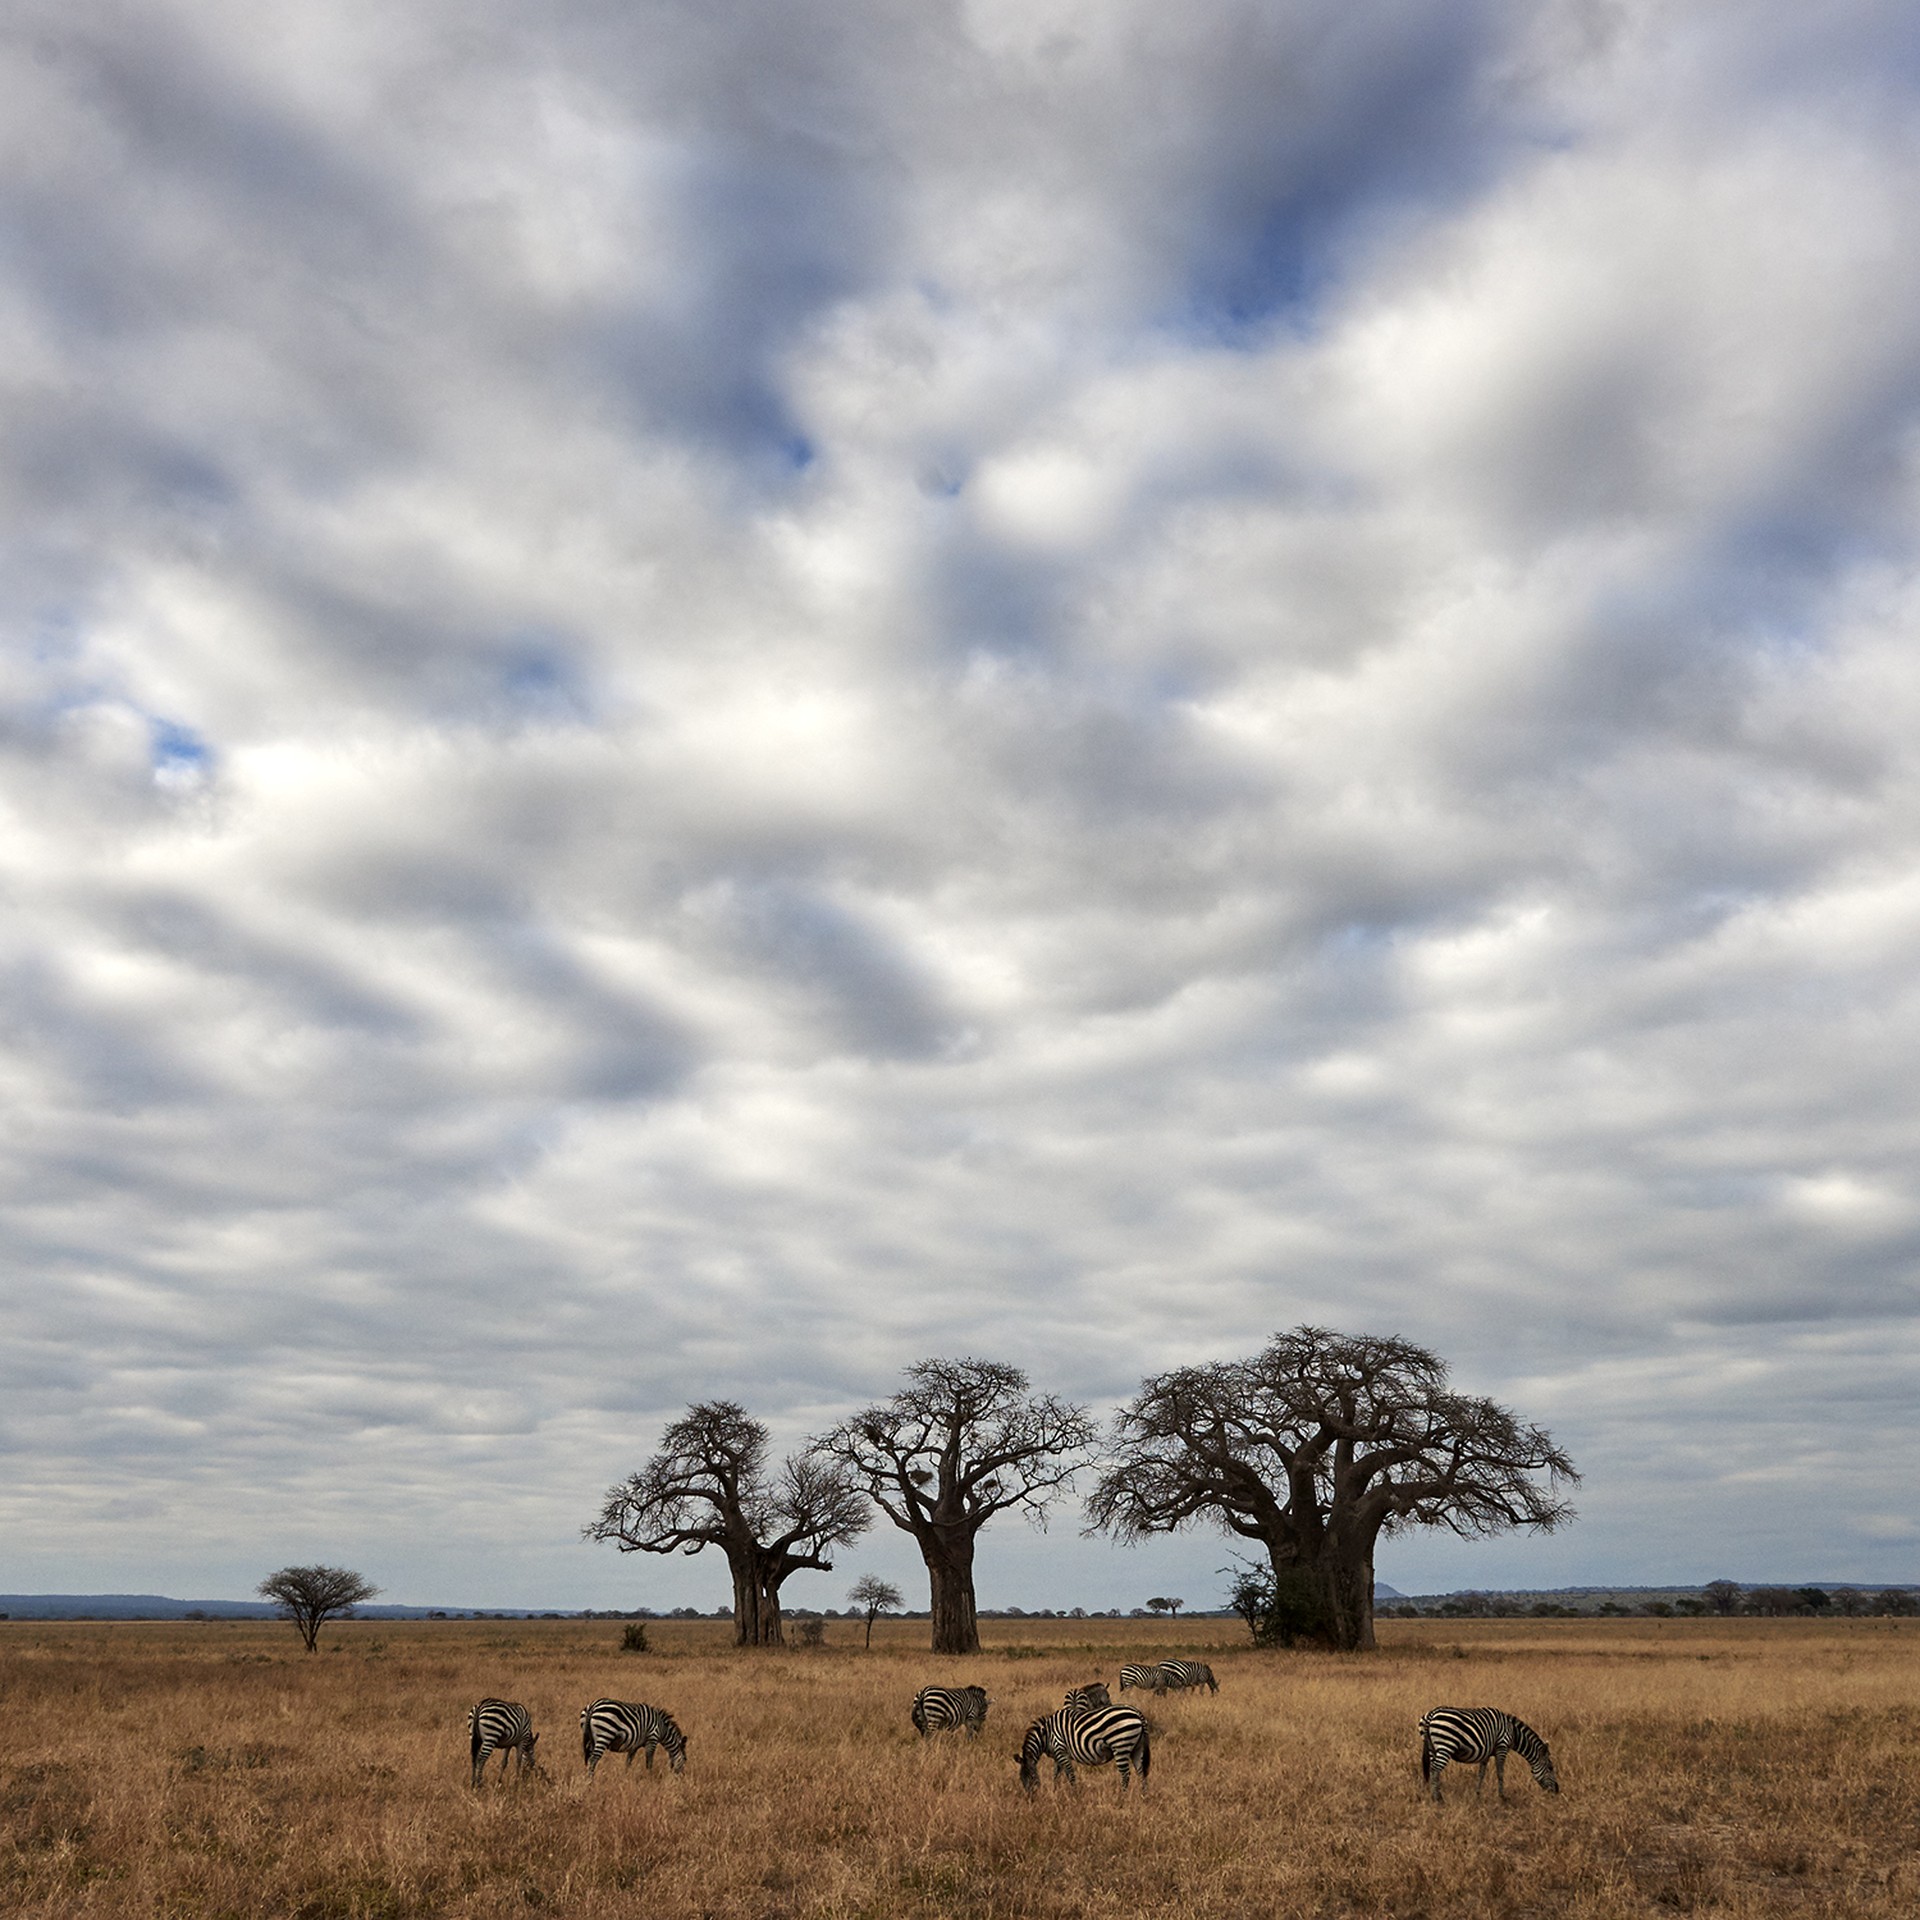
<point x="711" y="1485"/>
<point x="311" y="1596"/>
<point x="961" y="1441"/>
<point x="1314" y="1448"/>
<point x="874" y="1595"/>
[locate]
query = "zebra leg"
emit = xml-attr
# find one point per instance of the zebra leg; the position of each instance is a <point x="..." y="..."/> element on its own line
<point x="480" y="1758"/>
<point x="1500" y="1774"/>
<point x="650" y="1746"/>
<point x="633" y="1753"/>
<point x="1439" y="1767"/>
<point x="1480" y="1784"/>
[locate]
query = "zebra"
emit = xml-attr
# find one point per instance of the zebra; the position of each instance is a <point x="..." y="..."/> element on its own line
<point x="1176" y="1674"/>
<point x="626" y="1726"/>
<point x="1093" y="1694"/>
<point x="1169" y="1674"/>
<point x="1480" y="1734"/>
<point x="502" y="1725"/>
<point x="937" y="1708"/>
<point x="1116" y="1734"/>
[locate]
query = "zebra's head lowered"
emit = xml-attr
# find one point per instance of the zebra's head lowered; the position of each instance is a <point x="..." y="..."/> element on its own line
<point x="1541" y="1761"/>
<point x="1033" y="1745"/>
<point x="1093" y="1694"/>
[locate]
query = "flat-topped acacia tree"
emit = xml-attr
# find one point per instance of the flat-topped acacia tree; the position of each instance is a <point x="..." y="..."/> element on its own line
<point x="711" y="1485"/>
<point x="1314" y="1448"/>
<point x="961" y="1441"/>
<point x="311" y="1596"/>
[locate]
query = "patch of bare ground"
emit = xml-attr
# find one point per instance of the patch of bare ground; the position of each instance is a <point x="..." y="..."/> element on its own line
<point x="214" y="1772"/>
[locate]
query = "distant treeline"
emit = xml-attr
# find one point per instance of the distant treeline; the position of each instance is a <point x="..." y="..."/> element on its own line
<point x="1724" y="1599"/>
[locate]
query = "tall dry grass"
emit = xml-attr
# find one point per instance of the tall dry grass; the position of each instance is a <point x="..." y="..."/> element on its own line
<point x="215" y="1770"/>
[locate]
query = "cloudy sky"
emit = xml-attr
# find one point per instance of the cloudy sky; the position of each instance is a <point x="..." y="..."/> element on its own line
<point x="700" y="699"/>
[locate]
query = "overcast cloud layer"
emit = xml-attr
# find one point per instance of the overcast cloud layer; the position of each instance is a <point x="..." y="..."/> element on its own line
<point x="697" y="700"/>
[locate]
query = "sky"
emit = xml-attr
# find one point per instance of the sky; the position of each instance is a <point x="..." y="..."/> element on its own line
<point x="699" y="700"/>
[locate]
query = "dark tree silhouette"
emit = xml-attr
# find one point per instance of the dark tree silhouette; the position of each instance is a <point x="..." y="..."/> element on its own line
<point x="710" y="1485"/>
<point x="311" y="1596"/>
<point x="1723" y="1596"/>
<point x="1314" y="1448"/>
<point x="875" y="1595"/>
<point x="962" y="1441"/>
<point x="1162" y="1604"/>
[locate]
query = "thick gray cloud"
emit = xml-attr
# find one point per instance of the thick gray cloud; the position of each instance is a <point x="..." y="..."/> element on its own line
<point x="696" y="702"/>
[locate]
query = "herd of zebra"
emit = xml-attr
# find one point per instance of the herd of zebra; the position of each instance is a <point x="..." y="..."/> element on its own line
<point x="1087" y="1730"/>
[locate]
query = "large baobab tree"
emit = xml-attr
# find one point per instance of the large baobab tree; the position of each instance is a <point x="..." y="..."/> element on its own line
<point x="961" y="1441"/>
<point x="1314" y="1448"/>
<point x="711" y="1485"/>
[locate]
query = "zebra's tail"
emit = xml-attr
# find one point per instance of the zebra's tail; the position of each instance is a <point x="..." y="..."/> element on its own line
<point x="473" y="1732"/>
<point x="586" y="1738"/>
<point x="1146" y="1755"/>
<point x="1426" y="1754"/>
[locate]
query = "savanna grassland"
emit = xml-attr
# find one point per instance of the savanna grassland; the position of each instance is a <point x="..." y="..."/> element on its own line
<point x="207" y="1770"/>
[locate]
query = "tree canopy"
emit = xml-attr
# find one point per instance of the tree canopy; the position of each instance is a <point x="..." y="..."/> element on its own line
<point x="962" y="1441"/>
<point x="1316" y="1446"/>
<point x="711" y="1484"/>
<point x="311" y="1596"/>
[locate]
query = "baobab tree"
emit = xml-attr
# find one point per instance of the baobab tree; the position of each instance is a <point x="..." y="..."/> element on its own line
<point x="710" y="1485"/>
<point x="1314" y="1448"/>
<point x="961" y="1441"/>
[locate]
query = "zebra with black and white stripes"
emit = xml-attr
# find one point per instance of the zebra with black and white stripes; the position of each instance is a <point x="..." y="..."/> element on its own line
<point x="1104" y="1736"/>
<point x="1176" y="1675"/>
<point x="503" y="1727"/>
<point x="1093" y="1694"/>
<point x="936" y="1709"/>
<point x="1170" y="1675"/>
<point x="1475" y="1735"/>
<point x="629" y="1726"/>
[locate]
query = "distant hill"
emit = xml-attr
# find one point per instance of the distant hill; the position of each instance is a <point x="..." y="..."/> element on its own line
<point x="157" y="1606"/>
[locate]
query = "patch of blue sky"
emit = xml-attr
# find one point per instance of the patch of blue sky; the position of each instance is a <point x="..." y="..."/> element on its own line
<point x="178" y="755"/>
<point x="540" y="681"/>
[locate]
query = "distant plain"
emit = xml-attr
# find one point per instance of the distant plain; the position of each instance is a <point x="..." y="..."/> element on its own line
<point x="1736" y="1768"/>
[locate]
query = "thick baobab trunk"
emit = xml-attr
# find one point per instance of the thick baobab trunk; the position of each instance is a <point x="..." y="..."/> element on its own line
<point x="1348" y="1583"/>
<point x="756" y="1605"/>
<point x="1325" y="1598"/>
<point x="950" y="1567"/>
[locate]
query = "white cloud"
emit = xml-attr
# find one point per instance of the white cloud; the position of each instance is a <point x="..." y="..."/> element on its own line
<point x="697" y="703"/>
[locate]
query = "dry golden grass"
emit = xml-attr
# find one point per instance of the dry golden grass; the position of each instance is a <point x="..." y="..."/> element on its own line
<point x="215" y="1770"/>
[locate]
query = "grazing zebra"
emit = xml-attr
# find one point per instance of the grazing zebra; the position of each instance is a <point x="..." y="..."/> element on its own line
<point x="1170" y="1674"/>
<point x="626" y="1726"/>
<point x="1092" y="1739"/>
<point x="1176" y="1674"/>
<point x="502" y="1725"/>
<point x="1480" y="1734"/>
<point x="1093" y="1694"/>
<point x="937" y="1708"/>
